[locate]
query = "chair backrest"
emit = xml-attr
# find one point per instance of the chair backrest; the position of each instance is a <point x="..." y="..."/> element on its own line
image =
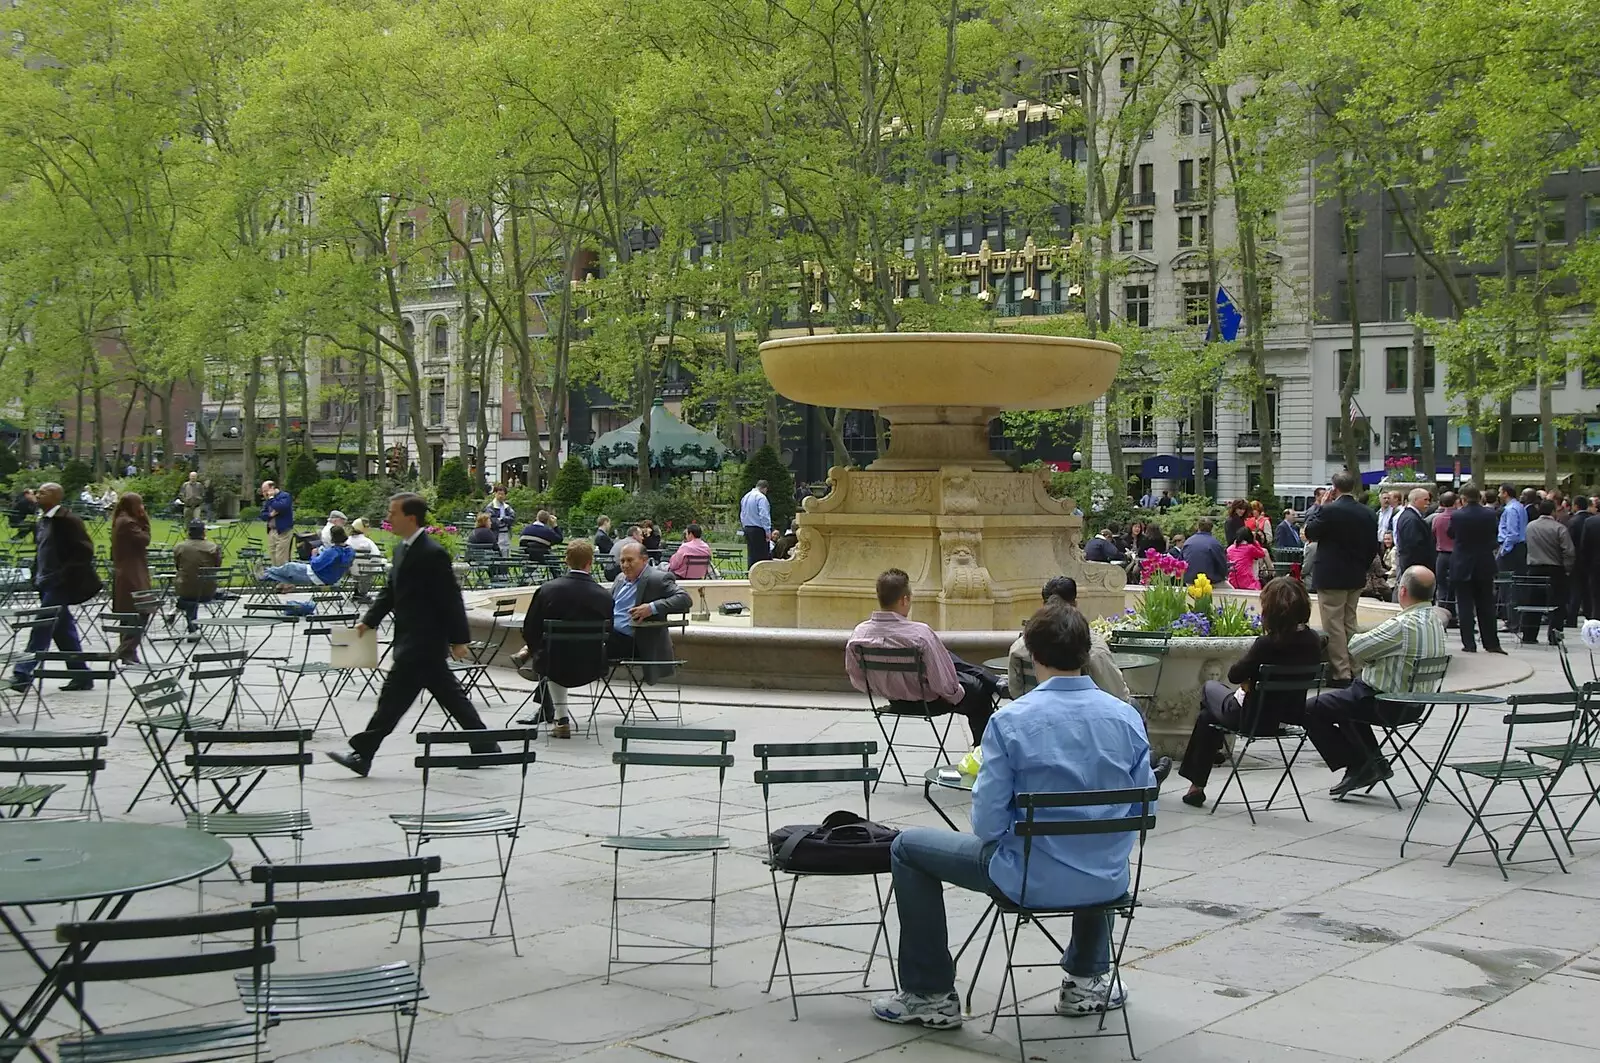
<point x="768" y="776"/>
<point x="1426" y="674"/>
<point x="1279" y="682"/>
<point x="24" y="753"/>
<point x="697" y="567"/>
<point x="522" y="754"/>
<point x="249" y="749"/>
<point x="1149" y="643"/>
<point x="1535" y="710"/>
<point x="581" y="637"/>
<point x="630" y="755"/>
<point x="418" y="899"/>
<point x="890" y="660"/>
<point x="1133" y="812"/>
<point x="56" y="664"/>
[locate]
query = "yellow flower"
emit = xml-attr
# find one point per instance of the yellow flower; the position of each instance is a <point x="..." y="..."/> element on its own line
<point x="1201" y="585"/>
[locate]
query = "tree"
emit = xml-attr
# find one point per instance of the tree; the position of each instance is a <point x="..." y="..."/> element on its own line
<point x="764" y="464"/>
<point x="302" y="472"/>
<point x="453" y="482"/>
<point x="570" y="484"/>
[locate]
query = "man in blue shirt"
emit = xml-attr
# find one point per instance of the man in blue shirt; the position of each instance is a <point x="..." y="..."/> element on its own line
<point x="1512" y="549"/>
<point x="1202" y="553"/>
<point x="277" y="510"/>
<point x="755" y="514"/>
<point x="1065" y="735"/>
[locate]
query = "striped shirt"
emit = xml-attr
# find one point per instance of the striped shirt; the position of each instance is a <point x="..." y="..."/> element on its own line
<point x="1388" y="651"/>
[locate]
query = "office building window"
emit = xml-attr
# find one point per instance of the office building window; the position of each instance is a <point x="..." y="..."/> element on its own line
<point x="1136" y="304"/>
<point x="1395" y="304"/>
<point x="1125" y="236"/>
<point x="1185" y="119"/>
<point x="1398" y="240"/>
<point x="472" y="406"/>
<point x="1591" y="214"/>
<point x="1345" y="357"/>
<point x="402" y="411"/>
<point x="1397" y="368"/>
<point x="1185" y="174"/>
<point x="1205" y="118"/>
<point x="1555" y="220"/>
<point x="1125" y="70"/>
<point x="1196" y="303"/>
<point x="518" y="426"/>
<point x="1335" y="451"/>
<point x="1147" y="177"/>
<point x="1272" y="412"/>
<point x="436" y="402"/>
<point x="1147" y="233"/>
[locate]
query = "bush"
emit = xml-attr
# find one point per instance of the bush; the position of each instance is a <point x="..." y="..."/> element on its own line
<point x="571" y="484"/>
<point x="321" y="497"/>
<point x="765" y="464"/>
<point x="158" y="489"/>
<point x="302" y="472"/>
<point x="454" y="485"/>
<point x="526" y="501"/>
<point x="604" y="500"/>
<point x="75" y="476"/>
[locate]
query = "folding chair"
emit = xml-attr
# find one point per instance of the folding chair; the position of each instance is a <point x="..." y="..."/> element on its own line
<point x="906" y="661"/>
<point x="1581" y="752"/>
<point x="1120" y="812"/>
<point x="99" y="666"/>
<point x="1531" y="602"/>
<point x="235" y="763"/>
<point x="767" y="777"/>
<point x="476" y="820"/>
<point x="395" y="986"/>
<point x="580" y="640"/>
<point x="213" y="1042"/>
<point x="83" y="755"/>
<point x="1284" y="682"/>
<point x="164" y="717"/>
<point x="663" y="843"/>
<point x="634" y="670"/>
<point x="1424" y="675"/>
<point x="1149" y="644"/>
<point x="485" y="650"/>
<point x="1512" y="768"/>
<point x="330" y="677"/>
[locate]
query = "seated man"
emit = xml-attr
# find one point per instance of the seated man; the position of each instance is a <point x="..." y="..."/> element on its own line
<point x="1338" y="721"/>
<point x="692" y="560"/>
<point x="945" y="677"/>
<point x="1065" y="736"/>
<point x="642" y="593"/>
<point x="1101" y="666"/>
<point x="537" y="538"/>
<point x="1103" y="547"/>
<point x="336" y="519"/>
<point x="326" y="567"/>
<point x="188" y="559"/>
<point x="572" y="596"/>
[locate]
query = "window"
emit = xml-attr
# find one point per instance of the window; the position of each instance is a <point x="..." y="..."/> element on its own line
<point x="1335" y="450"/>
<point x="1125" y="236"/>
<point x="1272" y="412"/>
<point x="1185" y="174"/>
<point x="1147" y="177"/>
<point x="1136" y="304"/>
<point x="1395" y="303"/>
<point x="1398" y="241"/>
<point x="472" y="406"/>
<point x="441" y="338"/>
<point x="1185" y="119"/>
<point x="1555" y="220"/>
<point x="1147" y="233"/>
<point x="436" y="402"/>
<point x="1186" y="230"/>
<point x="408" y="230"/>
<point x="1591" y="214"/>
<point x="475" y="224"/>
<point x="1125" y="69"/>
<point x="402" y="411"/>
<point x="1196" y="303"/>
<point x="1339" y="310"/>
<point x="1345" y="357"/>
<point x="1352" y="235"/>
<point x="1205" y="118"/>
<point x="1141" y="419"/>
<point x="517" y="424"/>
<point x="1397" y="368"/>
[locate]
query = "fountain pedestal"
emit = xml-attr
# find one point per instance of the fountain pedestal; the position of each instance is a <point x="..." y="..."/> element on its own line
<point x="977" y="539"/>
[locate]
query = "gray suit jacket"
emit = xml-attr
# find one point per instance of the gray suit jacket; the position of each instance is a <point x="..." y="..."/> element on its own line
<point x="659" y="589"/>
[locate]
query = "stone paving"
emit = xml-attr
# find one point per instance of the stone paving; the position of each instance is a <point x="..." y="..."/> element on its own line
<point x="1280" y="941"/>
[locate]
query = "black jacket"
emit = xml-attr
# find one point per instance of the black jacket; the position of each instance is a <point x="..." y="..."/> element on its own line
<point x="1299" y="648"/>
<point x="1575" y="528"/>
<point x="422" y="593"/>
<point x="1346" y="534"/>
<point x="1475" y="530"/>
<point x="1099" y="549"/>
<point x="64" y="568"/>
<point x="1413" y="542"/>
<point x="574" y="596"/>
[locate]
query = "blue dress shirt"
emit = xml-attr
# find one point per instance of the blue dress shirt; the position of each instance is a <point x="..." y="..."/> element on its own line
<point x="1513" y="525"/>
<point x="624" y="593"/>
<point x="1065" y="735"/>
<point x="755" y="511"/>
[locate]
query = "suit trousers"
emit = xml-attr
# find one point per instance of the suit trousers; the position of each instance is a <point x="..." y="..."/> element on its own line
<point x="1444" y="594"/>
<point x="1475" y="608"/>
<point x="1338" y="722"/>
<point x="756" y="544"/>
<point x="1555" y="594"/>
<point x="1515" y="562"/>
<point x="64" y="632"/>
<point x="409" y="675"/>
<point x="1338" y="612"/>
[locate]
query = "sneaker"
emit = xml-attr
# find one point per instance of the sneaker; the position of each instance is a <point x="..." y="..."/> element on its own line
<point x="937" y="1011"/>
<point x="1090" y="996"/>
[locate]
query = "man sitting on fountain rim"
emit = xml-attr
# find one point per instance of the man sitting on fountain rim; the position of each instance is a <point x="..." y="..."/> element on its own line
<point x="946" y="677"/>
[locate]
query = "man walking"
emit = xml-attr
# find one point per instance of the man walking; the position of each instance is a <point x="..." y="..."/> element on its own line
<point x="1550" y="555"/>
<point x="64" y="573"/>
<point x="1345" y="532"/>
<point x="430" y="622"/>
<point x="755" y="514"/>
<point x="1472" y="570"/>
<point x="277" y="509"/>
<point x="193" y="496"/>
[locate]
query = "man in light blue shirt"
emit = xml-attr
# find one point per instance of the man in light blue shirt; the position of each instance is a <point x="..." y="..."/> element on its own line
<point x="1064" y="736"/>
<point x="755" y="514"/>
<point x="1512" y="551"/>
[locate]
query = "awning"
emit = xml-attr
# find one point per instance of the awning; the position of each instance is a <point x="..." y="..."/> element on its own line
<point x="1173" y="467"/>
<point x="673" y="445"/>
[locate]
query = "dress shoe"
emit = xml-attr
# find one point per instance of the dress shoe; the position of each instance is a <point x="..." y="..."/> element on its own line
<point x="564" y="730"/>
<point x="19" y="686"/>
<point x="1346" y="782"/>
<point x="79" y="684"/>
<point x="1497" y="649"/>
<point x="1163" y="768"/>
<point x="1469" y="649"/>
<point x="1195" y="798"/>
<point x="354" y="761"/>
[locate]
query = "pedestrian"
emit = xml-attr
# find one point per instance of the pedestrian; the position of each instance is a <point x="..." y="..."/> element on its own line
<point x="1551" y="556"/>
<point x="130" y="567"/>
<point x="193" y="496"/>
<point x="277" y="510"/>
<point x="64" y="574"/>
<point x="1472" y="570"/>
<point x="430" y="623"/>
<point x="192" y="585"/>
<point x="502" y="517"/>
<point x="755" y="515"/>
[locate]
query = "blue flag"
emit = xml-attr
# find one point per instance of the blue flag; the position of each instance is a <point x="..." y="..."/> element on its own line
<point x="1228" y="317"/>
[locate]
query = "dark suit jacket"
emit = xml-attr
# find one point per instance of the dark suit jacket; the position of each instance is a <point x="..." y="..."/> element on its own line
<point x="1346" y="534"/>
<point x="574" y="596"/>
<point x="1475" y="530"/>
<point x="1299" y="648"/>
<point x="1413" y="541"/>
<point x="429" y="615"/>
<point x="1202" y="553"/>
<point x="1099" y="549"/>
<point x="64" y="569"/>
<point x="658" y="588"/>
<point x="1575" y="528"/>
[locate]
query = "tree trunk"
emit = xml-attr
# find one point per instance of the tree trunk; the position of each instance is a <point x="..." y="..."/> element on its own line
<point x="363" y="403"/>
<point x="283" y="416"/>
<point x="77" y="424"/>
<point x="1426" y="457"/>
<point x="469" y="349"/>
<point x="122" y="434"/>
<point x="379" y="408"/>
<point x="248" y="429"/>
<point x="99" y="429"/>
<point x="1348" y="441"/>
<point x="302" y="370"/>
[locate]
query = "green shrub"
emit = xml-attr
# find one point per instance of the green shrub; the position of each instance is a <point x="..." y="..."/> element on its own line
<point x="75" y="476"/>
<point x="158" y="489"/>
<point x="454" y="485"/>
<point x="571" y="484"/>
<point x="765" y="464"/>
<point x="302" y="472"/>
<point x="526" y="501"/>
<point x="604" y="499"/>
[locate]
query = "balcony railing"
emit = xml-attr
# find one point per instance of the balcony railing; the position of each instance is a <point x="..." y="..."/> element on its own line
<point x="1139" y="440"/>
<point x="1252" y="440"/>
<point x="1186" y="442"/>
<point x="1184" y="197"/>
<point x="1141" y="200"/>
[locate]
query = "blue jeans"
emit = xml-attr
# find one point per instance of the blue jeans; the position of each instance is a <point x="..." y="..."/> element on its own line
<point x="922" y="860"/>
<point x="291" y="572"/>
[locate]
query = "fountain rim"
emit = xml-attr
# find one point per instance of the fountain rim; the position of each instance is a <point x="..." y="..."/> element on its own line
<point x="996" y="338"/>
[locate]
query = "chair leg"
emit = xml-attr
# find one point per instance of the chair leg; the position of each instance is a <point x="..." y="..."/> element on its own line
<point x="1476" y="814"/>
<point x="882" y="931"/>
<point x="1535" y="817"/>
<point x="1241" y="746"/>
<point x="615" y="939"/>
<point x="783" y="941"/>
<point x="711" y="953"/>
<point x="1288" y="774"/>
<point x="993" y="916"/>
<point x="1594" y="799"/>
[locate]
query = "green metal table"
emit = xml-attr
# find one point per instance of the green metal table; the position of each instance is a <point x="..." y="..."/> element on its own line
<point x="1464" y="702"/>
<point x="1128" y="662"/>
<point x="107" y="863"/>
<point x="948" y="777"/>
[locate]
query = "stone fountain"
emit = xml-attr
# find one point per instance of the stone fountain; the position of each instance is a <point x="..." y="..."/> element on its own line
<point x="977" y="538"/>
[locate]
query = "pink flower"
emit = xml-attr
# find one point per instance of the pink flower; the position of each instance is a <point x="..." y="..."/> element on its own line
<point x="450" y="529"/>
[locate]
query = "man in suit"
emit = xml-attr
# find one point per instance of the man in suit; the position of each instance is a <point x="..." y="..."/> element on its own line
<point x="1578" y="600"/>
<point x="430" y="622"/>
<point x="1413" y="539"/>
<point x="642" y="593"/>
<point x="1475" y="529"/>
<point x="1103" y="547"/>
<point x="574" y="596"/>
<point x="1346" y="534"/>
<point x="1286" y="536"/>
<point x="64" y="573"/>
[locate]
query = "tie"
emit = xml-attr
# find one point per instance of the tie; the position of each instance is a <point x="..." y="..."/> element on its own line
<point x="399" y="558"/>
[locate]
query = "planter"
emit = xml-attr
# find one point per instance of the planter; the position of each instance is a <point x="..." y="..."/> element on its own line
<point x="1188" y="664"/>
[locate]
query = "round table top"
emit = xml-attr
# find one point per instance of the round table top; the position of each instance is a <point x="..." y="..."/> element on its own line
<point x="1128" y="661"/>
<point x="1442" y="697"/>
<point x="51" y="863"/>
<point x="997" y="664"/>
<point x="939" y="777"/>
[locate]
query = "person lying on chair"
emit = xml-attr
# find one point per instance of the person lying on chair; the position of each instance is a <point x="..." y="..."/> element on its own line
<point x="326" y="567"/>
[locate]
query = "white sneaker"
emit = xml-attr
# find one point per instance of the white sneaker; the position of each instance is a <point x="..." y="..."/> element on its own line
<point x="1090" y="996"/>
<point x="935" y="1011"/>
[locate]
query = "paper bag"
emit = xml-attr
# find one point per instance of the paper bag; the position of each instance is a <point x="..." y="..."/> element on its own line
<point x="349" y="650"/>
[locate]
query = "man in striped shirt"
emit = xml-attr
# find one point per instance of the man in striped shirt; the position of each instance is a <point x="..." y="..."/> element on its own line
<point x="1339" y="722"/>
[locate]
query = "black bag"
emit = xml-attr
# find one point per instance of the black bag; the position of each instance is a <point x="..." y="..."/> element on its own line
<point x="844" y="844"/>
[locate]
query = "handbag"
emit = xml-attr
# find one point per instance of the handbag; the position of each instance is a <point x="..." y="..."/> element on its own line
<point x="842" y="844"/>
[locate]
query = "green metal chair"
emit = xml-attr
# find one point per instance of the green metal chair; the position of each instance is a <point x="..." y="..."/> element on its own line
<point x="1424" y="675"/>
<point x="661" y="843"/>
<point x="767" y="777"/>
<point x="318" y="626"/>
<point x="1527" y="711"/>
<point x="1149" y="644"/>
<point x="893" y="660"/>
<point x="235" y="763"/>
<point x="1282" y="682"/>
<point x="213" y="1042"/>
<point x="1581" y="752"/>
<point x="166" y="712"/>
<point x="1046" y="815"/>
<point x="394" y="987"/>
<point x="31" y="753"/>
